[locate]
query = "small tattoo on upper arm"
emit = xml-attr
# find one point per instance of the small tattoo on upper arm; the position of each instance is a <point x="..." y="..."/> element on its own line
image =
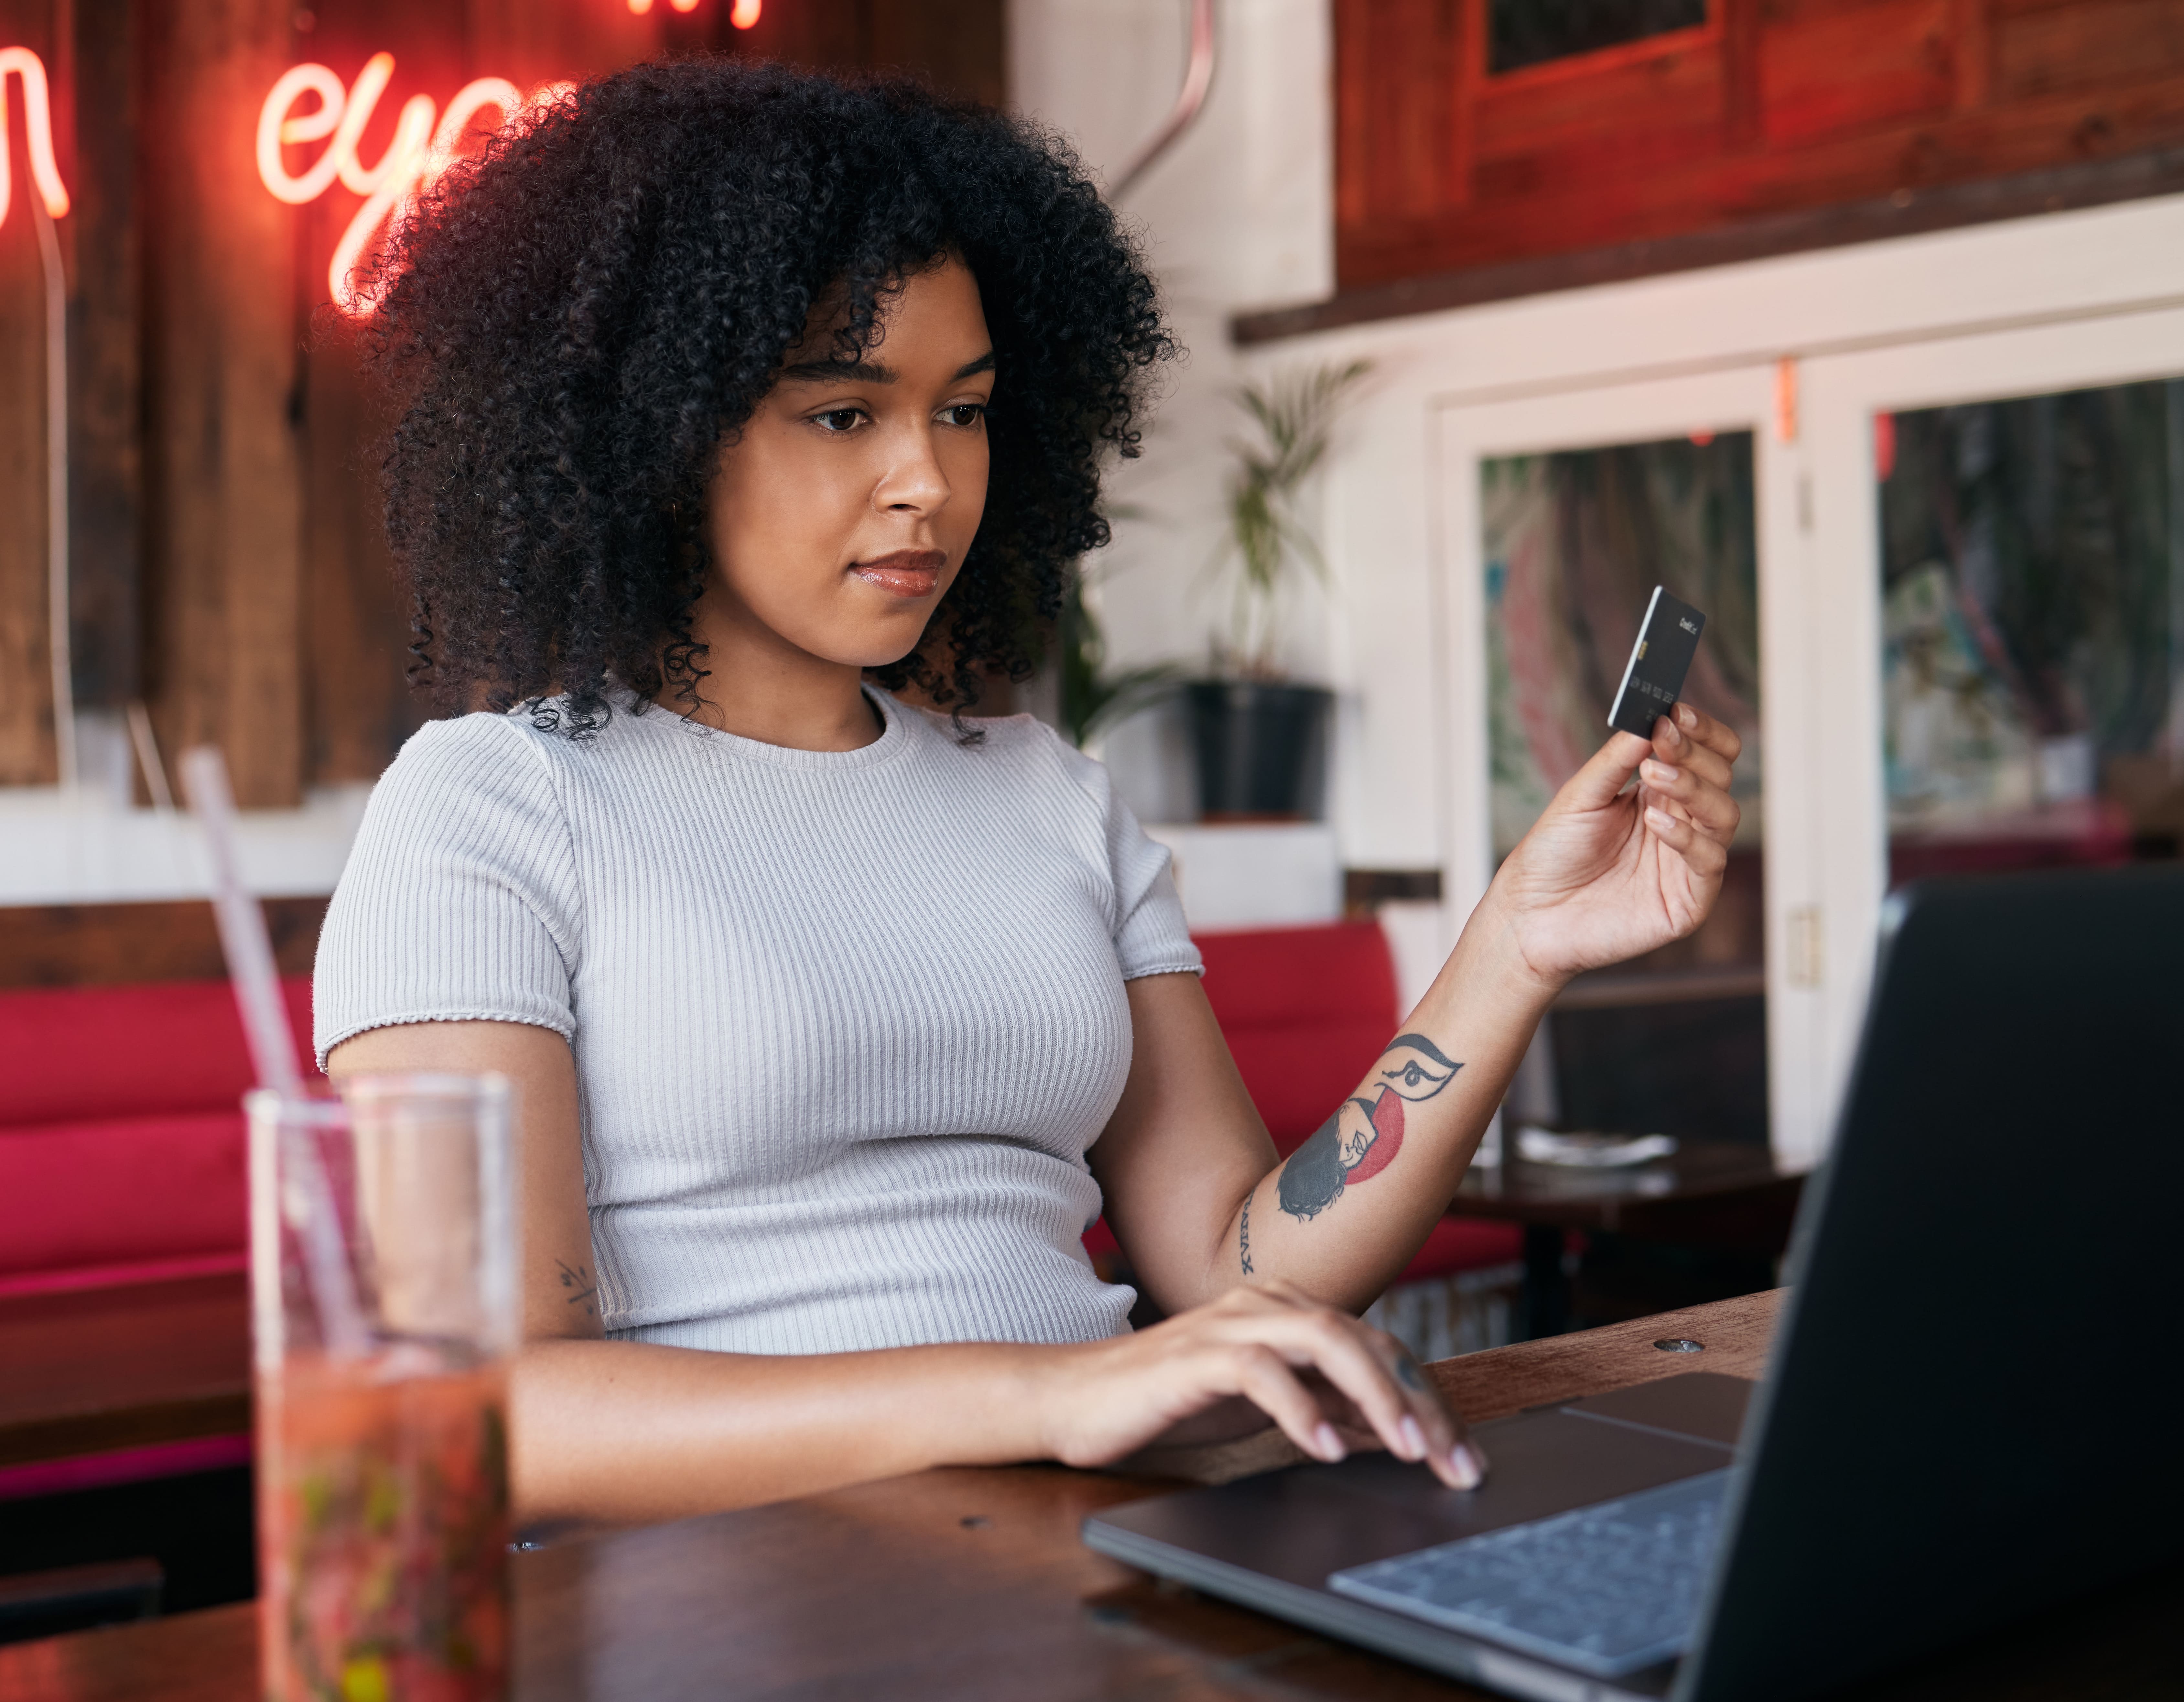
<point x="583" y="1291"/>
<point x="1243" y="1235"/>
<point x="1363" y="1136"/>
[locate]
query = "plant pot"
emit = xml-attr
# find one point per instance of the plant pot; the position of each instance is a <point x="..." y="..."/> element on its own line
<point x="1262" y="749"/>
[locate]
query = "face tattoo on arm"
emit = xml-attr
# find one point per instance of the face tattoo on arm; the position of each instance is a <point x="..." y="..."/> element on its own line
<point x="1359" y="1140"/>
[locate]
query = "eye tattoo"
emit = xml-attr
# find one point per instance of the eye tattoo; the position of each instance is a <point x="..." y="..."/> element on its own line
<point x="1415" y="1068"/>
<point x="583" y="1291"/>
<point x="1362" y="1139"/>
<point x="1243" y="1235"/>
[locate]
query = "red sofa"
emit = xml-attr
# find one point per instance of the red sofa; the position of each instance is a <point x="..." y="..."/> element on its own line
<point x="121" y="1148"/>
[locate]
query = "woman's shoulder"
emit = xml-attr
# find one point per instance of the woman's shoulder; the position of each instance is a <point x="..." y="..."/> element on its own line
<point x="469" y="793"/>
<point x="467" y="762"/>
<point x="445" y="748"/>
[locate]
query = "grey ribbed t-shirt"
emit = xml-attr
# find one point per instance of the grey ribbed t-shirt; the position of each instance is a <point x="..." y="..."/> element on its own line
<point x="844" y="1023"/>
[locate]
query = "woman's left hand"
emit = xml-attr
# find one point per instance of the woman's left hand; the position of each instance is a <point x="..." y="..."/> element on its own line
<point x="1610" y="870"/>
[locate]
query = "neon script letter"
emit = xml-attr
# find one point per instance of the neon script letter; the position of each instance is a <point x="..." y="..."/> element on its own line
<point x="419" y="152"/>
<point x="37" y="132"/>
<point x="744" y="15"/>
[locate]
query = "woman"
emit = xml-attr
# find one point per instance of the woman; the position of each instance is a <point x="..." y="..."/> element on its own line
<point x="732" y="400"/>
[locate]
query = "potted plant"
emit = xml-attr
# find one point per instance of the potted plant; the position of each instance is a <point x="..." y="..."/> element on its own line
<point x="1261" y="739"/>
<point x="1089" y="700"/>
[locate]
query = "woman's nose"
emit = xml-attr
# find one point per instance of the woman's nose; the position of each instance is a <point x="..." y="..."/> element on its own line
<point x="914" y="480"/>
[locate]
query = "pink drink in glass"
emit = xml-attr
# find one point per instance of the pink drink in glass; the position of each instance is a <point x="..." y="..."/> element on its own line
<point x="383" y="1351"/>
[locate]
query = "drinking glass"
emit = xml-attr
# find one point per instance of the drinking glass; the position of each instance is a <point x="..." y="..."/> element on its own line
<point x="383" y="1298"/>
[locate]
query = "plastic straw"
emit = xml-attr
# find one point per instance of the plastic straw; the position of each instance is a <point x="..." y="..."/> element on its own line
<point x="243" y="938"/>
<point x="257" y="984"/>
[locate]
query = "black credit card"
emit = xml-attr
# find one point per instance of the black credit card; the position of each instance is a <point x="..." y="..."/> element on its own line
<point x="1668" y="639"/>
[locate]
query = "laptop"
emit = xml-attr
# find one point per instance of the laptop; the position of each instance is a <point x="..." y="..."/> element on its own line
<point x="1971" y="1411"/>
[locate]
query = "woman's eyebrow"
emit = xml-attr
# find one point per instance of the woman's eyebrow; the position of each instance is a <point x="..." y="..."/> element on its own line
<point x="869" y="371"/>
<point x="829" y="371"/>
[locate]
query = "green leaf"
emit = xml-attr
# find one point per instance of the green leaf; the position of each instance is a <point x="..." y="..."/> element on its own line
<point x="1295" y="413"/>
<point x="1091" y="699"/>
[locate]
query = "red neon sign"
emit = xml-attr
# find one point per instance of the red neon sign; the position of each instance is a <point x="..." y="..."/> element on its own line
<point x="37" y="130"/>
<point x="744" y="15"/>
<point x="419" y="152"/>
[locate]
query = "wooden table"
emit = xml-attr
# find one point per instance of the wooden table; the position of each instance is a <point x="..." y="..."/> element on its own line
<point x="1720" y="1196"/>
<point x="970" y="1584"/>
<point x="140" y="1366"/>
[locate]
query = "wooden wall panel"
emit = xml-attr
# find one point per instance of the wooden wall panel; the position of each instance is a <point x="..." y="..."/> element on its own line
<point x="1776" y="108"/>
<point x="1651" y="113"/>
<point x="807" y="35"/>
<point x="1399" y="66"/>
<point x="106" y="403"/>
<point x="1353" y="178"/>
<point x="119" y="944"/>
<point x="357" y="706"/>
<point x="531" y="41"/>
<point x="1827" y="68"/>
<point x="2047" y="50"/>
<point x="223" y="466"/>
<point x="959" y="45"/>
<point x="27" y="753"/>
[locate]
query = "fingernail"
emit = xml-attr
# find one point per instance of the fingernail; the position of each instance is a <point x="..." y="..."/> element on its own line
<point x="1659" y="772"/>
<point x="1658" y="820"/>
<point x="1687" y="715"/>
<point x="1464" y="1468"/>
<point x="1328" y="1444"/>
<point x="1414" y="1439"/>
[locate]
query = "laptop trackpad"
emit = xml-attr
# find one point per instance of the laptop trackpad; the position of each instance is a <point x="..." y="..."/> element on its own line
<point x="1304" y="1523"/>
<point x="1705" y="1404"/>
<point x="1542" y="1463"/>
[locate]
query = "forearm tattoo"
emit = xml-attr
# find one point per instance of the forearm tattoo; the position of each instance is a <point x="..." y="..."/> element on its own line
<point x="1243" y="1235"/>
<point x="1359" y="1140"/>
<point x="581" y="1290"/>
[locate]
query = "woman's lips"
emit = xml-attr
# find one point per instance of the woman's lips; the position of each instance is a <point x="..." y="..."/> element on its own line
<point x="905" y="573"/>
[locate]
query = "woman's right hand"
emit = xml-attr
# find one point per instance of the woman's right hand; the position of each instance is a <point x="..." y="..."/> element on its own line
<point x="1312" y="1370"/>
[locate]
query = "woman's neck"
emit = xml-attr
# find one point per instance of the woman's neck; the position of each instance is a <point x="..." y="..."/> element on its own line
<point x="760" y="686"/>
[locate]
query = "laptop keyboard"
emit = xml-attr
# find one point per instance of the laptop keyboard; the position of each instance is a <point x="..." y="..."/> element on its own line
<point x="1607" y="1589"/>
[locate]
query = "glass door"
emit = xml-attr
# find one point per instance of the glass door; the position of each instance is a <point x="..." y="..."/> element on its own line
<point x="1574" y="540"/>
<point x="1561" y="512"/>
<point x="2031" y="577"/>
<point x="1998" y="535"/>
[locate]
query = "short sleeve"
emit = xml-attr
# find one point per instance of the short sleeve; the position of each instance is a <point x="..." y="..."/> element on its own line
<point x="458" y="902"/>
<point x="1151" y="937"/>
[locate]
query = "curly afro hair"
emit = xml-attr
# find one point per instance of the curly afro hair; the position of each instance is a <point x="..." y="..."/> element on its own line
<point x="575" y="319"/>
